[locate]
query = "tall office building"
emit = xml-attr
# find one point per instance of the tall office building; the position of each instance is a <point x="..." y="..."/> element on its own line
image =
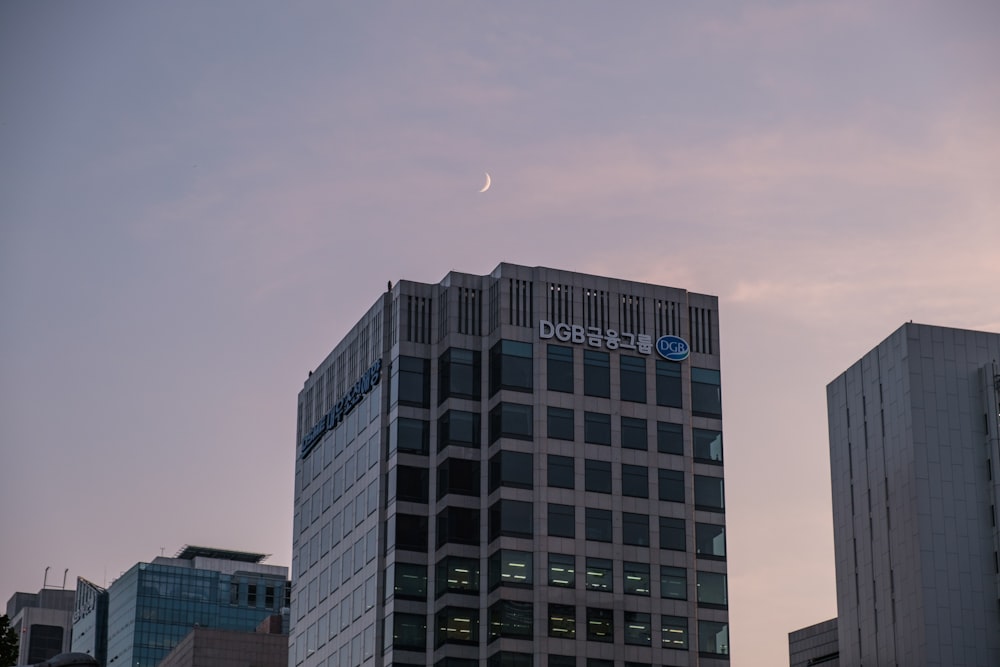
<point x="42" y="622"/>
<point x="516" y="469"/>
<point x="915" y="465"/>
<point x="153" y="606"/>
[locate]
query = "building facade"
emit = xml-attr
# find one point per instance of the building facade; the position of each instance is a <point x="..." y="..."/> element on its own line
<point x="43" y="623"/>
<point x="814" y="645"/>
<point x="153" y="606"/>
<point x="522" y="468"/>
<point x="90" y="620"/>
<point x="915" y="466"/>
<point x="267" y="646"/>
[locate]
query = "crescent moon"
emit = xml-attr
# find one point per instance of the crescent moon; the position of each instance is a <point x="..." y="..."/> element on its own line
<point x="487" y="186"/>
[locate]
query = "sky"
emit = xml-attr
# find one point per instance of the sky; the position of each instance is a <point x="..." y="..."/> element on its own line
<point x="198" y="200"/>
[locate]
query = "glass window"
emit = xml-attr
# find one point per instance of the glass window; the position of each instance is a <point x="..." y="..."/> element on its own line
<point x="411" y="382"/>
<point x="560" y="471"/>
<point x="511" y="420"/>
<point x="512" y="469"/>
<point x="562" y="570"/>
<point x="706" y="393"/>
<point x="457" y="575"/>
<point x="633" y="377"/>
<point x="460" y="428"/>
<point x="674" y="632"/>
<point x="638" y="628"/>
<point x="635" y="529"/>
<point x="672" y="534"/>
<point x="596" y="374"/>
<point x="707" y="445"/>
<point x="672" y="485"/>
<point x="560" y="368"/>
<point x="634" y="434"/>
<point x="408" y="580"/>
<point x="597" y="428"/>
<point x="458" y="476"/>
<point x="411" y="532"/>
<point x="562" y="520"/>
<point x="635" y="481"/>
<point x="712" y="590"/>
<point x="597" y="476"/>
<point x="459" y="374"/>
<point x="411" y="483"/>
<point x="709" y="493"/>
<point x="562" y="660"/>
<point x="673" y="583"/>
<point x="710" y="541"/>
<point x="560" y="423"/>
<point x="636" y="580"/>
<point x="509" y="659"/>
<point x="598" y="524"/>
<point x="510" y="366"/>
<point x="510" y="568"/>
<point x="713" y="637"/>
<point x="562" y="621"/>
<point x="669" y="438"/>
<point x="406" y="435"/>
<point x="409" y="631"/>
<point x="600" y="625"/>
<point x="668" y="384"/>
<point x="599" y="575"/>
<point x="458" y="525"/>
<point x="457" y="625"/>
<point x="510" y="517"/>
<point x="511" y="619"/>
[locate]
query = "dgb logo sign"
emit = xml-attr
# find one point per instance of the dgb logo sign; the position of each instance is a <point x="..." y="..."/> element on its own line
<point x="673" y="348"/>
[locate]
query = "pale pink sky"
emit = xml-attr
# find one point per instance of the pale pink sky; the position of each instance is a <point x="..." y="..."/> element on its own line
<point x="197" y="200"/>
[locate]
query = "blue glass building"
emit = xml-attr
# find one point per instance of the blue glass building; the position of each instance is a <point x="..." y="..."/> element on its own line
<point x="153" y="606"/>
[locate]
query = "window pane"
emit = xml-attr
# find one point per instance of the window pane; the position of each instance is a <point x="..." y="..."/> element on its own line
<point x="459" y="375"/>
<point x="707" y="445"/>
<point x="458" y="525"/>
<point x="669" y="438"/>
<point x="672" y="485"/>
<point x="562" y="621"/>
<point x="635" y="529"/>
<point x="668" y="384"/>
<point x="411" y="380"/>
<point x="597" y="476"/>
<point x="600" y="625"/>
<point x="458" y="575"/>
<point x="510" y="366"/>
<point x="633" y="379"/>
<point x="560" y="368"/>
<point x="411" y="435"/>
<point x="706" y="394"/>
<point x="636" y="578"/>
<point x="710" y="540"/>
<point x="562" y="521"/>
<point x="598" y="524"/>
<point x="638" y="628"/>
<point x="634" y="433"/>
<point x="560" y="471"/>
<point x="712" y="589"/>
<point x="411" y="483"/>
<point x="511" y="619"/>
<point x="672" y="534"/>
<point x="674" y="632"/>
<point x="597" y="428"/>
<point x="458" y="476"/>
<point x="673" y="583"/>
<point x="709" y="493"/>
<point x="713" y="637"/>
<point x="635" y="481"/>
<point x="599" y="575"/>
<point x="411" y="532"/>
<point x="560" y="423"/>
<point x="459" y="428"/>
<point x="596" y="374"/>
<point x="562" y="570"/>
<point x="512" y="469"/>
<point x="508" y="659"/>
<point x="457" y="625"/>
<point x="510" y="568"/>
<point x="510" y="517"/>
<point x="409" y="631"/>
<point x="511" y="420"/>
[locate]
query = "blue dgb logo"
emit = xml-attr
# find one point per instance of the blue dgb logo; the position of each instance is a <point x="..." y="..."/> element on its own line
<point x="673" y="348"/>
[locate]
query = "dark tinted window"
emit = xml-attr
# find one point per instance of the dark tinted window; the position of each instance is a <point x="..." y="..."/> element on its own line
<point x="598" y="524"/>
<point x="511" y="619"/>
<point x="672" y="485"/>
<point x="562" y="520"/>
<point x="635" y="481"/>
<point x="710" y="540"/>
<point x="409" y="435"/>
<point x="597" y="476"/>
<point x="458" y="525"/>
<point x="510" y="517"/>
<point x="511" y="469"/>
<point x="459" y="374"/>
<point x="458" y="575"/>
<point x="709" y="493"/>
<point x="411" y="484"/>
<point x="560" y="423"/>
<point x="411" y="532"/>
<point x="459" y="428"/>
<point x="635" y="529"/>
<point x="408" y="580"/>
<point x="411" y="381"/>
<point x="633" y="378"/>
<point x="668" y="384"/>
<point x="706" y="394"/>
<point x="597" y="428"/>
<point x="560" y="368"/>
<point x="672" y="534"/>
<point x="596" y="374"/>
<point x="510" y="366"/>
<point x="561" y="473"/>
<point x="511" y="420"/>
<point x="707" y="445"/>
<point x="669" y="438"/>
<point x="634" y="434"/>
<point x="458" y="476"/>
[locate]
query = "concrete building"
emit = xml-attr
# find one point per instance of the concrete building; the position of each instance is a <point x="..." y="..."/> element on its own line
<point x="814" y="645"/>
<point x="42" y="622"/>
<point x="90" y="620"/>
<point x="153" y="606"/>
<point x="915" y="465"/>
<point x="522" y="468"/>
<point x="267" y="646"/>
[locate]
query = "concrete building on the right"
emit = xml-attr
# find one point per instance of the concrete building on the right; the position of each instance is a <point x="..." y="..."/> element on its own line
<point x="915" y="467"/>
